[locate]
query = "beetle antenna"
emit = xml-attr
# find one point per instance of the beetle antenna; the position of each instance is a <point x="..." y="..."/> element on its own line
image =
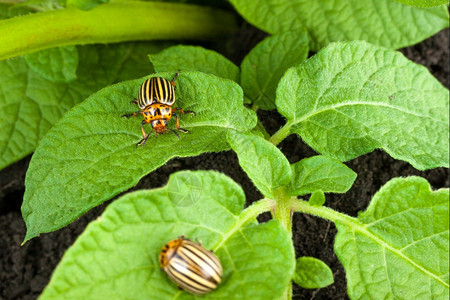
<point x="174" y="132"/>
<point x="175" y="76"/>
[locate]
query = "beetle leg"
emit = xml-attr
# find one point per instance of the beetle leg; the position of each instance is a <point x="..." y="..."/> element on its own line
<point x="174" y="132"/>
<point x="135" y="101"/>
<point x="178" y="124"/>
<point x="182" y="111"/>
<point x="144" y="136"/>
<point x="131" y="115"/>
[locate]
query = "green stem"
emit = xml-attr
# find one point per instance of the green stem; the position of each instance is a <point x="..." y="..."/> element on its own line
<point x="247" y="215"/>
<point x="282" y="210"/>
<point x="321" y="211"/>
<point x="281" y="134"/>
<point x="260" y="127"/>
<point x="288" y="292"/>
<point x="110" y="23"/>
<point x="283" y="213"/>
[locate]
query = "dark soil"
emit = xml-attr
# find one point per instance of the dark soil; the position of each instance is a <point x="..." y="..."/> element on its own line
<point x="26" y="270"/>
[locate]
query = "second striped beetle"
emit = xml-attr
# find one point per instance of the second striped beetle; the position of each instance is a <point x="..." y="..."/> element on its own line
<point x="191" y="266"/>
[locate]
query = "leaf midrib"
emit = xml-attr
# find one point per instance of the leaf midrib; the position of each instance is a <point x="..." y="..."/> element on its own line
<point x="355" y="225"/>
<point x="93" y="162"/>
<point x="351" y="103"/>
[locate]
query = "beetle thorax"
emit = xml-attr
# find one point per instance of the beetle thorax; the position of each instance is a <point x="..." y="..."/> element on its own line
<point x="157" y="111"/>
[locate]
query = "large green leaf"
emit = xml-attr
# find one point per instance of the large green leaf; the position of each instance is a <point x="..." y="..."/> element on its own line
<point x="400" y="247"/>
<point x="7" y="10"/>
<point x="423" y="3"/>
<point x="117" y="255"/>
<point x="351" y="98"/>
<point x="137" y="60"/>
<point x="90" y="155"/>
<point x="194" y="58"/>
<point x="263" y="67"/>
<point x="264" y="163"/>
<point x="382" y="22"/>
<point x="30" y="104"/>
<point x="55" y="64"/>
<point x="85" y="4"/>
<point x="320" y="173"/>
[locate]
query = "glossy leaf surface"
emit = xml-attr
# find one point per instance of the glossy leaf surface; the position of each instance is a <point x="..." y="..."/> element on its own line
<point x="266" y="63"/>
<point x="194" y="58"/>
<point x="117" y="255"/>
<point x="30" y="104"/>
<point x="352" y="98"/>
<point x="55" y="64"/>
<point x="383" y="22"/>
<point x="264" y="163"/>
<point x="320" y="173"/>
<point x="400" y="248"/>
<point x="312" y="273"/>
<point x="90" y="155"/>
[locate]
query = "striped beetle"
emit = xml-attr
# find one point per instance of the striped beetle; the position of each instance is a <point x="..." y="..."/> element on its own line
<point x="190" y="266"/>
<point x="155" y="100"/>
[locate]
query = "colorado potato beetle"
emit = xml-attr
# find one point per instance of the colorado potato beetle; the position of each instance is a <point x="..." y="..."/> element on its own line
<point x="190" y="266"/>
<point x="155" y="100"/>
<point x="157" y="89"/>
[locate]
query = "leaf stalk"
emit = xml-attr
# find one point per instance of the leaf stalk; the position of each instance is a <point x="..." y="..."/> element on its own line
<point x="246" y="216"/>
<point x="281" y="134"/>
<point x="324" y="212"/>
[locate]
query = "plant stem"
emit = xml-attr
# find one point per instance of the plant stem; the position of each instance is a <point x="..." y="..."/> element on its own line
<point x="288" y="292"/>
<point x="321" y="211"/>
<point x="247" y="215"/>
<point x="260" y="128"/>
<point x="281" y="134"/>
<point x="110" y="23"/>
<point x="283" y="213"/>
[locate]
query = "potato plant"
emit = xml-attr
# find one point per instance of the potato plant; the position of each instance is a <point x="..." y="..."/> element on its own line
<point x="354" y="94"/>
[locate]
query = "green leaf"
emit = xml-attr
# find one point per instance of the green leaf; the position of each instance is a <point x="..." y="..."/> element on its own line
<point x="312" y="273"/>
<point x="383" y="22"/>
<point x="8" y="11"/>
<point x="55" y="64"/>
<point x="317" y="198"/>
<point x="117" y="255"/>
<point x="400" y="247"/>
<point x="263" y="67"/>
<point x="85" y="4"/>
<point x="136" y="64"/>
<point x="320" y="173"/>
<point x="30" y="104"/>
<point x="90" y="155"/>
<point x="40" y="5"/>
<point x="194" y="58"/>
<point x="352" y="98"/>
<point x="264" y="163"/>
<point x="423" y="3"/>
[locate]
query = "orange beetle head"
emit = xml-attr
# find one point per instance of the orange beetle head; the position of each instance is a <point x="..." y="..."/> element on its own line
<point x="168" y="251"/>
<point x="159" y="126"/>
